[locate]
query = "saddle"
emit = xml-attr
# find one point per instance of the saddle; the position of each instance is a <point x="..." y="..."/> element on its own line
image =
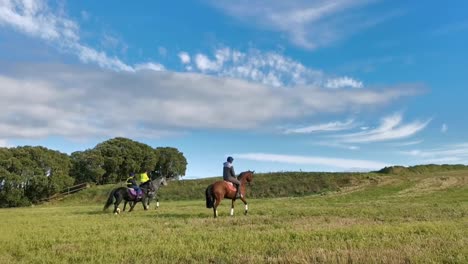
<point x="134" y="193"/>
<point x="230" y="186"/>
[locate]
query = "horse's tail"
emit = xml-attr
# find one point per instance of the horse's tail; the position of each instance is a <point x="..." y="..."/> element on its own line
<point x="110" y="200"/>
<point x="209" y="197"/>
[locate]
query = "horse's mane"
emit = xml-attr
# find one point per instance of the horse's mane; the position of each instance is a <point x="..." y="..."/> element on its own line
<point x="243" y="173"/>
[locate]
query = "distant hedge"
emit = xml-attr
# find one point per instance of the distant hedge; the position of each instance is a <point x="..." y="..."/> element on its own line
<point x="421" y="169"/>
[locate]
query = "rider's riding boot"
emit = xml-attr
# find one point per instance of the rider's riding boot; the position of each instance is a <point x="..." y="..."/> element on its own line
<point x="238" y="194"/>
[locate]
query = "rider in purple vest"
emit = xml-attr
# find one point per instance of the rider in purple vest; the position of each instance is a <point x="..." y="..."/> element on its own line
<point x="230" y="175"/>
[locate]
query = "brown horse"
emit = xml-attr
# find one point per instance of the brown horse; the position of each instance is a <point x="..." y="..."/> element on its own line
<point x="221" y="189"/>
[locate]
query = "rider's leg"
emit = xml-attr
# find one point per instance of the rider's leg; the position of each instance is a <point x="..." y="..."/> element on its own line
<point x="238" y="194"/>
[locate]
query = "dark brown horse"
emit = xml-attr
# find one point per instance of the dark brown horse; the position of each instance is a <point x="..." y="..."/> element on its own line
<point x="221" y="189"/>
<point x="121" y="193"/>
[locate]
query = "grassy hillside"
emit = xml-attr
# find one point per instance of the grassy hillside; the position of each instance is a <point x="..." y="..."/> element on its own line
<point x="285" y="184"/>
<point x="280" y="184"/>
<point x="372" y="218"/>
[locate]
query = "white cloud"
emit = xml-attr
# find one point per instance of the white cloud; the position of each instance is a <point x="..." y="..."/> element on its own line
<point x="390" y="128"/>
<point x="68" y="101"/>
<point x="331" y="126"/>
<point x="308" y="24"/>
<point x="36" y="19"/>
<point x="444" y="128"/>
<point x="268" y="68"/>
<point x="311" y="160"/>
<point x="454" y="153"/>
<point x="76" y="101"/>
<point x="343" y="82"/>
<point x="204" y="64"/>
<point x="408" y="143"/>
<point x="336" y="145"/>
<point x="184" y="57"/>
<point x="150" y="66"/>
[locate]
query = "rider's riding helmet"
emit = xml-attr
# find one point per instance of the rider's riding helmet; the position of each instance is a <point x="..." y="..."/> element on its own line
<point x="230" y="159"/>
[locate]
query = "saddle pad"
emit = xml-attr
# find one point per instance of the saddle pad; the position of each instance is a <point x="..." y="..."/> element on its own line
<point x="133" y="193"/>
<point x="230" y="185"/>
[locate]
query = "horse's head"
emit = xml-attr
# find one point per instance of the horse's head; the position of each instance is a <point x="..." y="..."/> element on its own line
<point x="155" y="184"/>
<point x="246" y="176"/>
<point x="160" y="181"/>
<point x="163" y="181"/>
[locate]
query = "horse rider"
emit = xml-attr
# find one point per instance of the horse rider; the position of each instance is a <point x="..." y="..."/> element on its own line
<point x="230" y="175"/>
<point x="131" y="183"/>
<point x="144" y="177"/>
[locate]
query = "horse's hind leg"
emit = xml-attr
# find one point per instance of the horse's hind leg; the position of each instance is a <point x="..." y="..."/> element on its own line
<point x="232" y="207"/>
<point x="125" y="205"/>
<point x="116" y="204"/>
<point x="216" y="203"/>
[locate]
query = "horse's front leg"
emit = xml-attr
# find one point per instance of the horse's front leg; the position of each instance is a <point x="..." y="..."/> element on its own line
<point x="143" y="202"/>
<point x="246" y="206"/>
<point x="125" y="205"/>
<point x="132" y="205"/>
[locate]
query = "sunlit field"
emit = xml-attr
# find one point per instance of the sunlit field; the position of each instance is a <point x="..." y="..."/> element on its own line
<point x="396" y="220"/>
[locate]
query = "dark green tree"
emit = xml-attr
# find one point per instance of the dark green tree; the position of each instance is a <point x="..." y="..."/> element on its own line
<point x="120" y="157"/>
<point x="171" y="163"/>
<point x="34" y="172"/>
<point x="87" y="166"/>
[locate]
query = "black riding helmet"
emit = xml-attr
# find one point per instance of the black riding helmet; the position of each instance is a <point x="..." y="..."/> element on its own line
<point x="230" y="159"/>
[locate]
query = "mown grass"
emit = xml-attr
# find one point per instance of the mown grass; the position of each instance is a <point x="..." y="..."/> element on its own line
<point x="386" y="219"/>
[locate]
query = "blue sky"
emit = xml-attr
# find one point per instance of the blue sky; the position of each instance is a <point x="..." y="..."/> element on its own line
<point x="344" y="85"/>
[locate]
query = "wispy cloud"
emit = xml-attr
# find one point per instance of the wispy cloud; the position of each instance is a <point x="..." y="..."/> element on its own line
<point x="280" y="88"/>
<point x="407" y="143"/>
<point x="74" y="101"/>
<point x="37" y="19"/>
<point x="331" y="126"/>
<point x="311" y="160"/>
<point x="308" y="24"/>
<point x="343" y="82"/>
<point x="336" y="145"/>
<point x="268" y="68"/>
<point x="454" y="153"/>
<point x="391" y="128"/>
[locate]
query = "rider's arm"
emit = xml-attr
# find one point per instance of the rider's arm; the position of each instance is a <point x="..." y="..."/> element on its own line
<point x="233" y="174"/>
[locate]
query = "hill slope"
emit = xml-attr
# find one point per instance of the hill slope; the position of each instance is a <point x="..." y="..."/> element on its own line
<point x="291" y="184"/>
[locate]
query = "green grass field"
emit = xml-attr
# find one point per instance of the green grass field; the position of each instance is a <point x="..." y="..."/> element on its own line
<point x="383" y="219"/>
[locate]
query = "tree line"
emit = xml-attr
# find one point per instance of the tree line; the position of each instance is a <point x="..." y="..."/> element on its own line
<point x="30" y="174"/>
